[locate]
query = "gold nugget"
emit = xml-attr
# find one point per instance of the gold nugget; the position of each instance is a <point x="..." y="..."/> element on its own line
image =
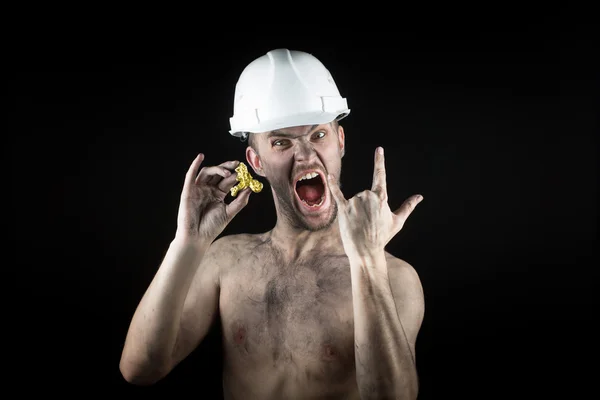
<point x="245" y="180"/>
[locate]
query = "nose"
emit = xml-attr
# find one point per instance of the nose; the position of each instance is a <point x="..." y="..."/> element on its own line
<point x="304" y="151"/>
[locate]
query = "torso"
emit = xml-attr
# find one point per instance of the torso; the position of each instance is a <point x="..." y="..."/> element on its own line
<point x="288" y="330"/>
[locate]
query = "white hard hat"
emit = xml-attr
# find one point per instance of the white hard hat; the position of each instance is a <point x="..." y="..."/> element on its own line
<point x="282" y="89"/>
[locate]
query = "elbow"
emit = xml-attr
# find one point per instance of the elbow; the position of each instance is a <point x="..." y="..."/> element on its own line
<point x="140" y="374"/>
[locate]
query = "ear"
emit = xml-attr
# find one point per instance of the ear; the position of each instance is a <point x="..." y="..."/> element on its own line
<point x="254" y="160"/>
<point x="342" y="140"/>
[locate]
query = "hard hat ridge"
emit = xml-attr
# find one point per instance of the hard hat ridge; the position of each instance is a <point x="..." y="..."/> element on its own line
<point x="285" y="88"/>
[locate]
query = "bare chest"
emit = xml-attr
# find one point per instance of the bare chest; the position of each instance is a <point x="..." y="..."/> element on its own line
<point x="293" y="318"/>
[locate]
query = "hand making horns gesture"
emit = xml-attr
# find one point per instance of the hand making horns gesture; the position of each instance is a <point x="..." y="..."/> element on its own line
<point x="366" y="222"/>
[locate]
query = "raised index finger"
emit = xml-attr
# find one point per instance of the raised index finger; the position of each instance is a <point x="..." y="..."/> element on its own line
<point x="379" y="179"/>
<point x="190" y="176"/>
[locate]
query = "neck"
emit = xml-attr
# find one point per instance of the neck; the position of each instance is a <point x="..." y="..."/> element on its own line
<point x="296" y="243"/>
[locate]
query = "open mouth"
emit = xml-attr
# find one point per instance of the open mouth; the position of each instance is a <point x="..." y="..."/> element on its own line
<point x="311" y="189"/>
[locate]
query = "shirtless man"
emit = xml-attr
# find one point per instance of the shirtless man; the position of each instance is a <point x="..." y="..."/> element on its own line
<point x="316" y="307"/>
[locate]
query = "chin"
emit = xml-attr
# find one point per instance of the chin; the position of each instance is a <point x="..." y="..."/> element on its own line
<point x="323" y="220"/>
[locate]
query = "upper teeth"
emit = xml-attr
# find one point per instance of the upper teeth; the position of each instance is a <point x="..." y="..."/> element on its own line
<point x="310" y="175"/>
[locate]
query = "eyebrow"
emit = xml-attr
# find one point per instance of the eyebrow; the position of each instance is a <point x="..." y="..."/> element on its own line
<point x="288" y="135"/>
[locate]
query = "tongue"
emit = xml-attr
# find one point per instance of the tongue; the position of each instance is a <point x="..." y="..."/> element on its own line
<point x="309" y="193"/>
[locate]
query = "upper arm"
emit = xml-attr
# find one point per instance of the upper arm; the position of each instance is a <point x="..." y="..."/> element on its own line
<point x="408" y="294"/>
<point x="202" y="302"/>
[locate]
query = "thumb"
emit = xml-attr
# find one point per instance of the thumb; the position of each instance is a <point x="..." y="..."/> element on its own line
<point x="337" y="194"/>
<point x="233" y="208"/>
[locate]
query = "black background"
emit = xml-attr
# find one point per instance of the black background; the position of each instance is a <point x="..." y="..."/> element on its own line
<point x="495" y="125"/>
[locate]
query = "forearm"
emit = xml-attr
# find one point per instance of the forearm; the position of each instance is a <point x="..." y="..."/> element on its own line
<point x="155" y="324"/>
<point x="385" y="367"/>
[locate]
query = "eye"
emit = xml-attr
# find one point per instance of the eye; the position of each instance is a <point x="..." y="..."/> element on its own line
<point x="319" y="135"/>
<point x="279" y="143"/>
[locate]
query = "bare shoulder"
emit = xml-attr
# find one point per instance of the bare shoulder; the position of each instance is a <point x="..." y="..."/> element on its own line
<point x="237" y="241"/>
<point x="406" y="288"/>
<point x="227" y="249"/>
<point x="403" y="273"/>
<point x="408" y="295"/>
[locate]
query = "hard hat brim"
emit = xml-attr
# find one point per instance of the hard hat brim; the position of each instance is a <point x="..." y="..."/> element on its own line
<point x="287" y="122"/>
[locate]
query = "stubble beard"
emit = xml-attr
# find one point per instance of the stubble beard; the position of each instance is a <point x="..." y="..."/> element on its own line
<point x="292" y="214"/>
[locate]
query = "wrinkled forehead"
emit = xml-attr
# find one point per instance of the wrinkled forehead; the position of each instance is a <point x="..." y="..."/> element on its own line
<point x="295" y="131"/>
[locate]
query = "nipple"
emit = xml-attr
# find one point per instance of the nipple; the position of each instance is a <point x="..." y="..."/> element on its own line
<point x="239" y="335"/>
<point x="328" y="352"/>
<point x="245" y="180"/>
